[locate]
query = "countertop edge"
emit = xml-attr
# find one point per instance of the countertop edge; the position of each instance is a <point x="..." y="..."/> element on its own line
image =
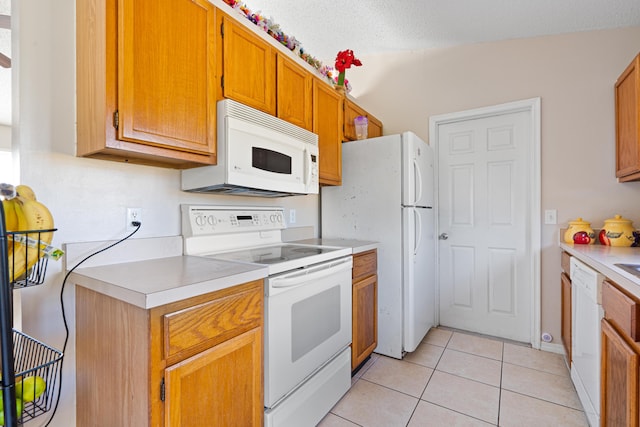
<point x="180" y="291"/>
<point x="617" y="275"/>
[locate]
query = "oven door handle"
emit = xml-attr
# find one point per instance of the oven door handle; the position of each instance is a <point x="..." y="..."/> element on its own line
<point x="313" y="273"/>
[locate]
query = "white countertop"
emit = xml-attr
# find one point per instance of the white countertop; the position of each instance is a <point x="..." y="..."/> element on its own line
<point x="602" y="258"/>
<point x="155" y="282"/>
<point x="356" y="246"/>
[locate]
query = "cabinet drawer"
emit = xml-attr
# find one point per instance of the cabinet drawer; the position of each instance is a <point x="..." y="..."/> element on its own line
<point x="211" y="322"/>
<point x="621" y="310"/>
<point x="364" y="264"/>
<point x="565" y="262"/>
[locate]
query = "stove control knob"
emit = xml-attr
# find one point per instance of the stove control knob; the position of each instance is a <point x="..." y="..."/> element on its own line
<point x="200" y="220"/>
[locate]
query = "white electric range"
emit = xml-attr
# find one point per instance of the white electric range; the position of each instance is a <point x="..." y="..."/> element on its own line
<point x="307" y="359"/>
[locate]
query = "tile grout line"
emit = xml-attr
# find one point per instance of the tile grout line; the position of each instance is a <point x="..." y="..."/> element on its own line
<point x="500" y="389"/>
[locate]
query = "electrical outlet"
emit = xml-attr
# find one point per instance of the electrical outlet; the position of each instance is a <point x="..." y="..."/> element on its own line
<point x="292" y="216"/>
<point x="133" y="214"/>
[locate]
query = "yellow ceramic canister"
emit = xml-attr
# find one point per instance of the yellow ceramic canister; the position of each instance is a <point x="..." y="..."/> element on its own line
<point x="585" y="234"/>
<point x="617" y="231"/>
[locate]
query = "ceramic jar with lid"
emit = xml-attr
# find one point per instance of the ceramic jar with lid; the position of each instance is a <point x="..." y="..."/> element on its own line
<point x="617" y="231"/>
<point x="580" y="232"/>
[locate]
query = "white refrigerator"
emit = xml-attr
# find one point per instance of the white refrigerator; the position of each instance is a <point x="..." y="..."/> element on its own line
<point x="387" y="196"/>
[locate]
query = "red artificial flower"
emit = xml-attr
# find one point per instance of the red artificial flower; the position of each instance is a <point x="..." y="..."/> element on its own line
<point x="346" y="59"/>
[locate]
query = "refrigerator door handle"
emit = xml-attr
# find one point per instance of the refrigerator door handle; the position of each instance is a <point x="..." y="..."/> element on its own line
<point x="417" y="182"/>
<point x="418" y="231"/>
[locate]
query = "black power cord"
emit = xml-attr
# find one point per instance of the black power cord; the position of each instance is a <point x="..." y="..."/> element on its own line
<point x="136" y="224"/>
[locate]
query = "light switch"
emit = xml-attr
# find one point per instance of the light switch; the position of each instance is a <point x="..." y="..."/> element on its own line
<point x="551" y="216"/>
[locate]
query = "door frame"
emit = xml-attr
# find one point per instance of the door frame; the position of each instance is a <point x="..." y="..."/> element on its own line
<point x="532" y="107"/>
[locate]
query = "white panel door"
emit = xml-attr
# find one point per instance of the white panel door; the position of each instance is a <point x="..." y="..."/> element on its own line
<point x="485" y="273"/>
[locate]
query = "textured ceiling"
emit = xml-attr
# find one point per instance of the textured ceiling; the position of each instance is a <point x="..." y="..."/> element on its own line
<point x="375" y="26"/>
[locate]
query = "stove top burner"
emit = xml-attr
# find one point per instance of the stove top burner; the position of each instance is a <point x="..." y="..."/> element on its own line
<point x="274" y="254"/>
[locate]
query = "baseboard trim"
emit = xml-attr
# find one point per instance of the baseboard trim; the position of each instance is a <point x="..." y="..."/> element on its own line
<point x="551" y="347"/>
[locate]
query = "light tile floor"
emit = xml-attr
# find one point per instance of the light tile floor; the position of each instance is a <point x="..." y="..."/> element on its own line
<point x="459" y="379"/>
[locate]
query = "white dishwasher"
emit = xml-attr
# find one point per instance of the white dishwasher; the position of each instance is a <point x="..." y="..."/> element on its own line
<point x="586" y="302"/>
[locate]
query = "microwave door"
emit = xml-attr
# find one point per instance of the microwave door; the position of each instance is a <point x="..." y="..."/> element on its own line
<point x="260" y="157"/>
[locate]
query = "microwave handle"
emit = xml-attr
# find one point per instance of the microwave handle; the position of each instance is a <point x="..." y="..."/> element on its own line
<point x="307" y="166"/>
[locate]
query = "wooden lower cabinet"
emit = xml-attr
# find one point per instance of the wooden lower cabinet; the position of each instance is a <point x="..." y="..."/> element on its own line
<point x="619" y="380"/>
<point x="190" y="363"/>
<point x="225" y="401"/>
<point x="365" y="307"/>
<point x="620" y="359"/>
<point x="565" y="293"/>
<point x="566" y="314"/>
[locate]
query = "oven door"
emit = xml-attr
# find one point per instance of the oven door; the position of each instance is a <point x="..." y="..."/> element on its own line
<point x="308" y="322"/>
<point x="260" y="157"/>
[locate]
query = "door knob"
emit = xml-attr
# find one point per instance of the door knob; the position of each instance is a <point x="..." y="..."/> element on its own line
<point x="443" y="236"/>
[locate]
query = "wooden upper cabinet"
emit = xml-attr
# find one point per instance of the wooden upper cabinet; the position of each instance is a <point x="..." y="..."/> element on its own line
<point x="146" y="81"/>
<point x="294" y="93"/>
<point x="627" y="95"/>
<point x="249" y="67"/>
<point x="327" y="123"/>
<point x="351" y="111"/>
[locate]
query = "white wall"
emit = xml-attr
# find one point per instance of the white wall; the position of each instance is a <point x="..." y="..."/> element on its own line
<point x="574" y="74"/>
<point x="5" y="137"/>
<point x="87" y="197"/>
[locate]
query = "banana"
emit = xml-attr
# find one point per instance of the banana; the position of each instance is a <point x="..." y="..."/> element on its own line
<point x="32" y="215"/>
<point x="25" y="192"/>
<point x="11" y="222"/>
<point x="10" y="217"/>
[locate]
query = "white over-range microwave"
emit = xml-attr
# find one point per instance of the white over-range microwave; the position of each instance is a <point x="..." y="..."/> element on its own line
<point x="258" y="155"/>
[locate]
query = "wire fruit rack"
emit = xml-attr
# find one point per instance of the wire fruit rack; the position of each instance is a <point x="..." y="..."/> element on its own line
<point x="25" y="361"/>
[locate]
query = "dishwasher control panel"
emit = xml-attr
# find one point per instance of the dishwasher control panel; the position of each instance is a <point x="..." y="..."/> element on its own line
<point x="587" y="279"/>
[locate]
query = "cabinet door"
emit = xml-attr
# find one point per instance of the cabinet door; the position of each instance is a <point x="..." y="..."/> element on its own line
<point x="327" y="123"/>
<point x="351" y="111"/>
<point x="166" y="74"/>
<point x="619" y="380"/>
<point x="566" y="314"/>
<point x="628" y="123"/>
<point x="221" y="386"/>
<point x="364" y="319"/>
<point x="294" y="93"/>
<point x="375" y="127"/>
<point x="249" y="75"/>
